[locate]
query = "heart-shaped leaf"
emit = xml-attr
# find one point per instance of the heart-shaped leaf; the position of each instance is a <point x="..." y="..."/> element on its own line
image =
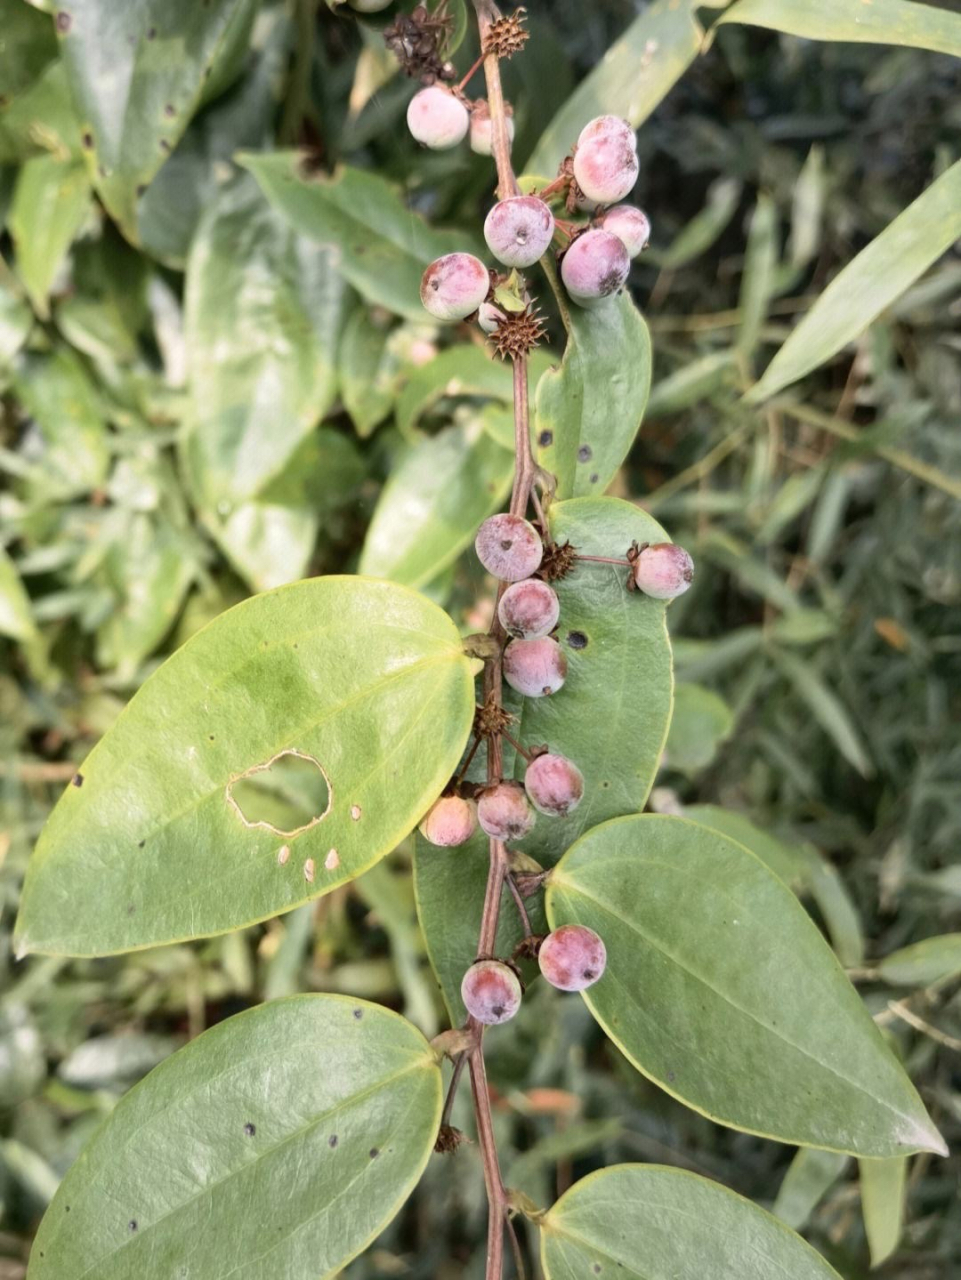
<point x="721" y="989"/>
<point x="278" y="1143"/>
<point x="152" y="842"/>
<point x="648" y="1222"/>
<point x="611" y="717"/>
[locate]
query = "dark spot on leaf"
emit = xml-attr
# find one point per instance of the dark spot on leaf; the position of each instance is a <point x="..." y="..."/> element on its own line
<point x="296" y="645"/>
<point x="87" y="139"/>
<point x="77" y="780"/>
<point x="141" y="843"/>
<point x="210" y="737"/>
<point x="170" y="110"/>
<point x="332" y="1141"/>
<point x="164" y="144"/>
<point x="585" y="453"/>
<point x="358" y="1014"/>
<point x="3" y="99"/>
<point x="670" y="1077"/>
<point x="577" y="639"/>
<point x="141" y="188"/>
<point x="596" y="1268"/>
<point x="66" y="1208"/>
<point x="594" y="478"/>
<point x="373" y="1153"/>
<point x="545" y="438"/>
<point x="250" y="1129"/>
<point x="63" y="22"/>
<point x="130" y="908"/>
<point x="132" y="1224"/>
<point x="101" y="171"/>
<point x="152" y="33"/>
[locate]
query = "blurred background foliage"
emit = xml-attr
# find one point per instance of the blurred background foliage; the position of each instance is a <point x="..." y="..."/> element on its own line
<point x="215" y="409"/>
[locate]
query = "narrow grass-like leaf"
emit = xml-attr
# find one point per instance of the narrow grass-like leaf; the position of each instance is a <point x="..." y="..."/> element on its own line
<point x="922" y="963"/>
<point x="883" y="1195"/>
<point x="906" y="23"/>
<point x="809" y="1177"/>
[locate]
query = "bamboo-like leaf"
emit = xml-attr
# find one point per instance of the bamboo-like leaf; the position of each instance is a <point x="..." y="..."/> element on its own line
<point x="883" y="1195"/>
<point x="908" y="23"/>
<point x="809" y="1177"/>
<point x="922" y="963"/>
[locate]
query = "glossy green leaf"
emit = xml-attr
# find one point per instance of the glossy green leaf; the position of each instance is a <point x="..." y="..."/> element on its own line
<point x="137" y="72"/>
<point x="809" y="1177"/>
<point x="612" y="715"/>
<point x="908" y="23"/>
<point x="883" y="1195"/>
<point x="16" y="620"/>
<point x="650" y="1222"/>
<point x="262" y="316"/>
<point x="700" y="723"/>
<point x="587" y="411"/>
<point x="50" y="204"/>
<point x="16" y="320"/>
<point x="932" y="960"/>
<point x="437" y="495"/>
<point x="872" y="281"/>
<point x="28" y="45"/>
<point x="365" y="678"/>
<point x="720" y="988"/>
<point x="41" y="118"/>
<point x="368" y="371"/>
<point x="60" y="396"/>
<point x="382" y="246"/>
<point x="287" y="1137"/>
<point x="633" y="77"/>
<point x="785" y="860"/>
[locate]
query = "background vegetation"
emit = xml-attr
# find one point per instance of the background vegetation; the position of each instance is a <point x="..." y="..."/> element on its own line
<point x="818" y="651"/>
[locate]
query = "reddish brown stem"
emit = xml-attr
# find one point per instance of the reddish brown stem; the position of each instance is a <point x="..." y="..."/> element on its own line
<point x="604" y="559"/>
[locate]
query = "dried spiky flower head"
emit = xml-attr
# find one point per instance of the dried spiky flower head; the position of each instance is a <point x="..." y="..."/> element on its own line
<point x="517" y="333"/>
<point x="506" y="36"/>
<point x="419" y="40"/>
<point x="557" y="562"/>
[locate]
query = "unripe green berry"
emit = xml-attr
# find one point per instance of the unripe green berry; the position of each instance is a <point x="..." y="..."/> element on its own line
<point x="594" y="267"/>
<point x="504" y="812"/>
<point x="663" y="570"/>
<point x="535" y="668"/>
<point x="554" y="785"/>
<point x="509" y="547"/>
<point x="481" y="130"/>
<point x="631" y="226"/>
<point x="453" y="287"/>
<point x="491" y="992"/>
<point x="572" y="958"/>
<point x="605" y="160"/>
<point x="529" y="609"/>
<point x="450" y="821"/>
<point x="519" y="230"/>
<point x="437" y="118"/>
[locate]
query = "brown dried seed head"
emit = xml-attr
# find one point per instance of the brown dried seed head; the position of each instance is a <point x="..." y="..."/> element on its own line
<point x="518" y="333"/>
<point x="507" y="36"/>
<point x="557" y="562"/>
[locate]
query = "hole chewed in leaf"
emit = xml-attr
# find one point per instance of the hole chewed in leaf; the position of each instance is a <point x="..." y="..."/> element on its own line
<point x="287" y="794"/>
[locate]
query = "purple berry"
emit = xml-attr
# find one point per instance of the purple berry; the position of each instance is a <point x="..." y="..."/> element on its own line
<point x="529" y="609"/>
<point x="437" y="119"/>
<point x="491" y="992"/>
<point x="489" y="317"/>
<point x="605" y="160"/>
<point x="450" y="821"/>
<point x="631" y="226"/>
<point x="519" y="230"/>
<point x="454" y="286"/>
<point x="572" y="958"/>
<point x="595" y="266"/>
<point x="535" y="668"/>
<point x="481" y="130"/>
<point x="504" y="812"/>
<point x="509" y="547"/>
<point x="663" y="570"/>
<point x="554" y="785"/>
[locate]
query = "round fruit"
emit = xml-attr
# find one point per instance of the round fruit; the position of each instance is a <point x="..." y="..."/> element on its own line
<point x="605" y="160"/>
<point x="509" y="547"/>
<point x="519" y="230"/>
<point x="504" y="812"/>
<point x="437" y="118"/>
<point x="535" y="668"/>
<point x="529" y="609"/>
<point x="481" y="130"/>
<point x="453" y="287"/>
<point x="450" y="821"/>
<point x="491" y="992"/>
<point x="663" y="571"/>
<point x="489" y="317"/>
<point x="572" y="958"/>
<point x="631" y="226"/>
<point x="554" y="785"/>
<point x="595" y="266"/>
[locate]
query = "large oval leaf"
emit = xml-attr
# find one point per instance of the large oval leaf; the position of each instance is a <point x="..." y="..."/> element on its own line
<point x="366" y="678"/>
<point x="654" y="1223"/>
<point x="587" y="411"/>
<point x="612" y="715"/>
<point x="279" y="1143"/>
<point x="50" y="203"/>
<point x="720" y="988"/>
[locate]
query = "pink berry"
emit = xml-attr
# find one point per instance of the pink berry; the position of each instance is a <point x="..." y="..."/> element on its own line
<point x="454" y="286"/>
<point x="504" y="812"/>
<point x="529" y="609"/>
<point x="491" y="992"/>
<point x="554" y="785"/>
<point x="509" y="547"/>
<point x="605" y="160"/>
<point x="535" y="668"/>
<point x="437" y="119"/>
<point x="663" y="570"/>
<point x="489" y="317"/>
<point x="519" y="230"/>
<point x="631" y="226"/>
<point x="595" y="266"/>
<point x="572" y="958"/>
<point x="481" y="131"/>
<point x="450" y="821"/>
